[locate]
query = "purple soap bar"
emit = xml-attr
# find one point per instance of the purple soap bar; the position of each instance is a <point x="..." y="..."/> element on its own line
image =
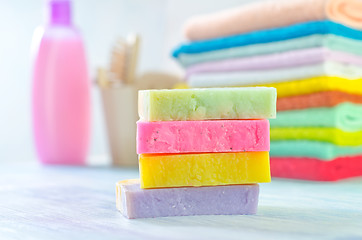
<point x="203" y="136"/>
<point x="135" y="202"/>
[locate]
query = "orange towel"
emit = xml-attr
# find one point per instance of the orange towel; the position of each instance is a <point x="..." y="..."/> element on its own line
<point x="320" y="99"/>
<point x="271" y="14"/>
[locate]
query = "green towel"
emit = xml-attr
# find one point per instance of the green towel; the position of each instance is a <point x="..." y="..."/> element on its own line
<point x="345" y="116"/>
<point x="332" y="135"/>
<point x="313" y="149"/>
<point x="330" y="41"/>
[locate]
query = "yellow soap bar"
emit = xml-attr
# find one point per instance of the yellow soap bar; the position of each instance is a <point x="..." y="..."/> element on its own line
<point x="205" y="169"/>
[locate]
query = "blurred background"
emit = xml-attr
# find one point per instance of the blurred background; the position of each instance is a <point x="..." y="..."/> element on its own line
<point x="159" y="23"/>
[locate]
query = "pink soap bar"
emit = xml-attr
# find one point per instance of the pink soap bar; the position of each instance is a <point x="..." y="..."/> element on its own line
<point x="203" y="136"/>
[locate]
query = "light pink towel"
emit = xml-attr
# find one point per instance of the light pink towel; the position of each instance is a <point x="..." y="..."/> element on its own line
<point x="277" y="60"/>
<point x="273" y="13"/>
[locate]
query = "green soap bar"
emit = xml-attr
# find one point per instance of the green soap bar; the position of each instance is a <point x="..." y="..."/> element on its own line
<point x="345" y="116"/>
<point x="313" y="149"/>
<point x="207" y="104"/>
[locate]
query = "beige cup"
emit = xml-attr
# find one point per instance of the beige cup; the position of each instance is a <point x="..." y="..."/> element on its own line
<point x="120" y="109"/>
<point x="121" y="112"/>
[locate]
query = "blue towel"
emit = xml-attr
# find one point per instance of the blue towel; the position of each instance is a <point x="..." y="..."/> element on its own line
<point x="270" y="35"/>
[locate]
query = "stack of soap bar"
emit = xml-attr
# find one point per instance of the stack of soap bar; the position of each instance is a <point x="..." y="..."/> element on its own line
<point x="199" y="146"/>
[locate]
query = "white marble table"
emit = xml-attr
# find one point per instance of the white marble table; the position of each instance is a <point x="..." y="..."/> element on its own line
<point x="79" y="203"/>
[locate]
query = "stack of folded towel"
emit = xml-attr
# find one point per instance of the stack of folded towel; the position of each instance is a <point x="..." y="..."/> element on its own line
<point x="202" y="152"/>
<point x="311" y="51"/>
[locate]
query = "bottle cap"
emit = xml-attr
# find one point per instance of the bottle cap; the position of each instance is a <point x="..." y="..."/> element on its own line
<point x="60" y="12"/>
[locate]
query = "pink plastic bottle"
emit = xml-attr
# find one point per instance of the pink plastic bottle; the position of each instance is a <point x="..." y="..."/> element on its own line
<point x="61" y="89"/>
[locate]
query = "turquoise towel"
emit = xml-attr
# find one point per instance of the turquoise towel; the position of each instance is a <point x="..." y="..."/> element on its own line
<point x="345" y="116"/>
<point x="329" y="41"/>
<point x="313" y="149"/>
<point x="270" y="35"/>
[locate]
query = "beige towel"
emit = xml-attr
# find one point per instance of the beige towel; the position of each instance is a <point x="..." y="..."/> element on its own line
<point x="271" y="14"/>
